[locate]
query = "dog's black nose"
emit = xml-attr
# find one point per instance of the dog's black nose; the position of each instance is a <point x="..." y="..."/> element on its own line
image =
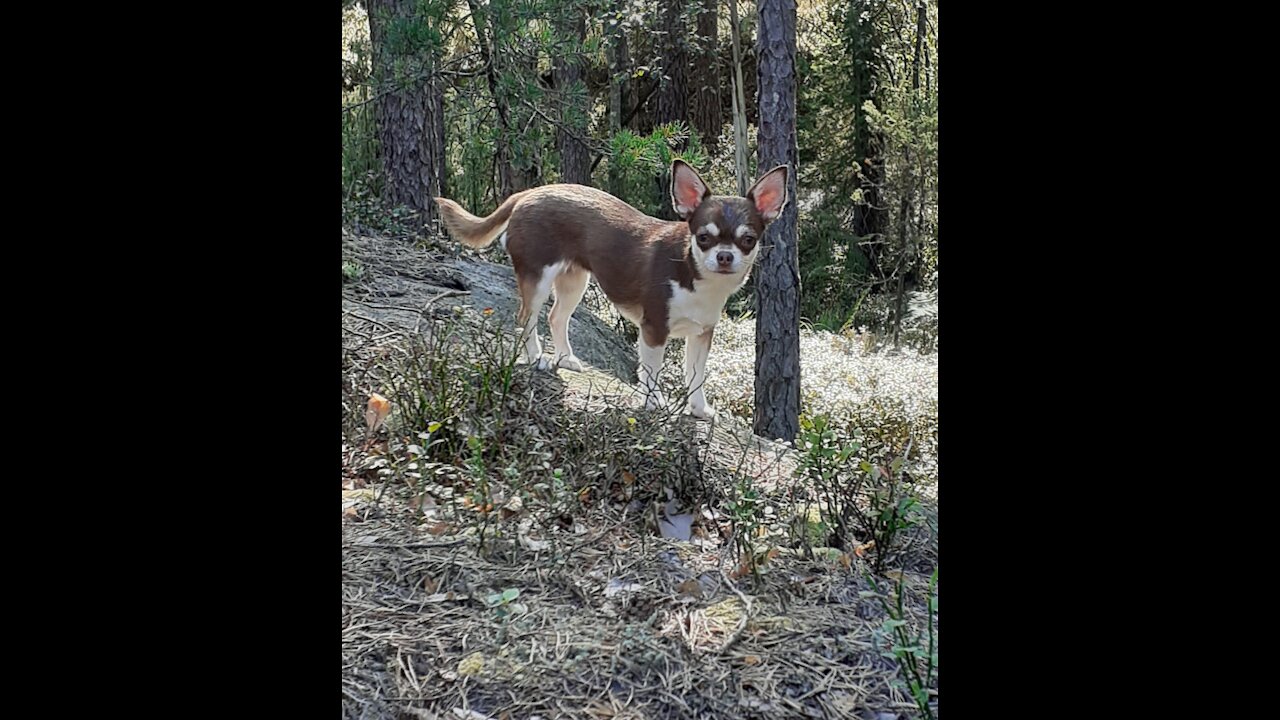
<point x="725" y="258"/>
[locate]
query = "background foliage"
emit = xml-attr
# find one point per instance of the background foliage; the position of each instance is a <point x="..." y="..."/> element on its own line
<point x="529" y="84"/>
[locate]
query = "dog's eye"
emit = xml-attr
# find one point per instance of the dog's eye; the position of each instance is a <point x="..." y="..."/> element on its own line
<point x="748" y="240"/>
<point x="702" y="238"/>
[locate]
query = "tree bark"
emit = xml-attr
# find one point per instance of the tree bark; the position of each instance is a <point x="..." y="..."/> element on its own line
<point x="673" y="92"/>
<point x="906" y="265"/>
<point x="575" y="157"/>
<point x="410" y="111"/>
<point x="777" y="387"/>
<point x="673" y="95"/>
<point x="869" y="219"/>
<point x="705" y="73"/>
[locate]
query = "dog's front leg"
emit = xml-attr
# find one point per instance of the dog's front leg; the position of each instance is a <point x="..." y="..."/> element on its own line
<point x="650" y="365"/>
<point x="696" y="349"/>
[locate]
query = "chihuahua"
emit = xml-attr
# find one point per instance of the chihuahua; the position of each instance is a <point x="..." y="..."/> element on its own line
<point x="670" y="278"/>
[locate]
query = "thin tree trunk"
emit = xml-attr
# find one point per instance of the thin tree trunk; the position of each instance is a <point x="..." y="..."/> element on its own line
<point x="705" y="73"/>
<point x="575" y="158"/>
<point x="410" y="112"/>
<point x="739" y="105"/>
<point x="635" y="111"/>
<point x="869" y="215"/>
<point x="777" y="386"/>
<point x="616" y="51"/>
<point x="928" y="77"/>
<point x="484" y="40"/>
<point x="642" y="118"/>
<point x="928" y="92"/>
<point x="907" y="261"/>
<point x="673" y="93"/>
<point x="527" y="171"/>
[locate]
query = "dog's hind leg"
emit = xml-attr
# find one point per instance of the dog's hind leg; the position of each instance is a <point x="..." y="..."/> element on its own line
<point x="534" y="291"/>
<point x="570" y="286"/>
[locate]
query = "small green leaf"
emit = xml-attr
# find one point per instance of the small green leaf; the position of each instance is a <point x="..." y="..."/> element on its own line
<point x="510" y="594"/>
<point x="434" y="426"/>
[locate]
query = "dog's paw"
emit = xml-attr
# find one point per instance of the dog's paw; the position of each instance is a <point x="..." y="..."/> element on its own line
<point x="570" y="362"/>
<point x="703" y="412"/>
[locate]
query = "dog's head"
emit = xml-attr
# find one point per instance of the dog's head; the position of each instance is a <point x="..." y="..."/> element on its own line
<point x="725" y="232"/>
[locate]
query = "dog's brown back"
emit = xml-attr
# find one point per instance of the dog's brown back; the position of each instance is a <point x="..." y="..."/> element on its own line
<point x="598" y="232"/>
<point x="587" y="228"/>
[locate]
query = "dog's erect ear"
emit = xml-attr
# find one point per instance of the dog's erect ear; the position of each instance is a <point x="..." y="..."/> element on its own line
<point x="769" y="194"/>
<point x="687" y="189"/>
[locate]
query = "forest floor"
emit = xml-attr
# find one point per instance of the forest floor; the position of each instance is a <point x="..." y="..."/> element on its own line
<point x="523" y="544"/>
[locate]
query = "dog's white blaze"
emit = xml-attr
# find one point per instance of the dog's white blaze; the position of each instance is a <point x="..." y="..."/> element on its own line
<point x="711" y="229"/>
<point x="742" y="230"/>
<point x="741" y="263"/>
<point x="709" y="262"/>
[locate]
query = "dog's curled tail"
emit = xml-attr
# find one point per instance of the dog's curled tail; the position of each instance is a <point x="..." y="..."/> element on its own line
<point x="473" y="231"/>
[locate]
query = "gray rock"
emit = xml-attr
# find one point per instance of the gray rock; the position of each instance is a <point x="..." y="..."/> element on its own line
<point x="399" y="280"/>
<point x="594" y="341"/>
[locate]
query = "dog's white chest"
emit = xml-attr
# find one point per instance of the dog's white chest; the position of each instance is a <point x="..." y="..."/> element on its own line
<point x="693" y="313"/>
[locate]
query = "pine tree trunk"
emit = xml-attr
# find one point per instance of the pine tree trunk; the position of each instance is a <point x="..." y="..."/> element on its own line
<point x="777" y="388"/>
<point x="410" y="112"/>
<point x="908" y="250"/>
<point x="575" y="158"/>
<point x="705" y="74"/>
<point x="869" y="221"/>
<point x="673" y="95"/>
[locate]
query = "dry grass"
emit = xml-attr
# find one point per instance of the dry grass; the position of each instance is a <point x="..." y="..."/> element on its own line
<point x="617" y="624"/>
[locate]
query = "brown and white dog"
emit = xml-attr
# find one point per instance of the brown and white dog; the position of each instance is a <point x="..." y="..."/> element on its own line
<point x="670" y="278"/>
